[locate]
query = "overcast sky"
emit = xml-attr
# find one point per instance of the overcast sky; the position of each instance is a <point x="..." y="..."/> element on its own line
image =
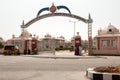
<point x="13" y="12"/>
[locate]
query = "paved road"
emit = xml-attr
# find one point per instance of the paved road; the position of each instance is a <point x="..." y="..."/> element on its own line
<point x="38" y="68"/>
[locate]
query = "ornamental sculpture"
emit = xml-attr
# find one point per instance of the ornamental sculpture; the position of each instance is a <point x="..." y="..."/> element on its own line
<point x="53" y="9"/>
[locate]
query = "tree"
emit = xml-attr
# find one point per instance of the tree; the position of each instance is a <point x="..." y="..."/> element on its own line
<point x="1" y="45"/>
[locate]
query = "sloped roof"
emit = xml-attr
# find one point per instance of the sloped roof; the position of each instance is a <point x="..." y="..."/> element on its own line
<point x="110" y="29"/>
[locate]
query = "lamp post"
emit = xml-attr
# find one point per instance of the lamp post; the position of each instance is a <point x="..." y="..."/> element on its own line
<point x="74" y="22"/>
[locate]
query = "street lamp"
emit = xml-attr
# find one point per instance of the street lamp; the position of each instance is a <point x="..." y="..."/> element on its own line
<point x="74" y="22"/>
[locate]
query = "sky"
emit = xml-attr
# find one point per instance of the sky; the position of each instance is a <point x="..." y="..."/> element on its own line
<point x="13" y="12"/>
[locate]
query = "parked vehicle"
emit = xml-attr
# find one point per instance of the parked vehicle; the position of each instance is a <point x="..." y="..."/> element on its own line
<point x="11" y="50"/>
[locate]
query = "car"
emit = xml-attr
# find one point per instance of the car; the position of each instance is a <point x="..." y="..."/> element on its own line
<point x="11" y="50"/>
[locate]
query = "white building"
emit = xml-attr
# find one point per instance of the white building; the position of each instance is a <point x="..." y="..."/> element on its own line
<point x="49" y="43"/>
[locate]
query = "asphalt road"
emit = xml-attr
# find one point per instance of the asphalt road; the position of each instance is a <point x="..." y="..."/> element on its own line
<point x="25" y="63"/>
<point x="30" y="67"/>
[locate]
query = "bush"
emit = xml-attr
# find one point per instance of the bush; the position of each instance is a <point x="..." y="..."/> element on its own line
<point x="63" y="48"/>
<point x="108" y="69"/>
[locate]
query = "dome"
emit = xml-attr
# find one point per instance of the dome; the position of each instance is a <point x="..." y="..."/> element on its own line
<point x="26" y="34"/>
<point x="61" y="37"/>
<point x="47" y="36"/>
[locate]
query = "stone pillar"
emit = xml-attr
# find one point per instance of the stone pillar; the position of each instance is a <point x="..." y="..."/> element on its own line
<point x="78" y="44"/>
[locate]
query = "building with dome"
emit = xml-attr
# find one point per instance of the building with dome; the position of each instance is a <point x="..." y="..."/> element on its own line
<point x="49" y="43"/>
<point x="24" y="42"/>
<point x="46" y="43"/>
<point x="107" y="42"/>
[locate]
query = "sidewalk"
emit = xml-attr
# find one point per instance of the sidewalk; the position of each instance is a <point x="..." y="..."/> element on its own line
<point x="63" y="55"/>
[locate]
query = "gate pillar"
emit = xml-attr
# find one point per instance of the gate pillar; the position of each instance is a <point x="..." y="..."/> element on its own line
<point x="78" y="44"/>
<point x="90" y="36"/>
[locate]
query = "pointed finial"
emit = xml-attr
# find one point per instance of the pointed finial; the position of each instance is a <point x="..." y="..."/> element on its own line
<point x="23" y="22"/>
<point x="89" y="17"/>
<point x="90" y="20"/>
<point x="53" y="8"/>
<point x="23" y="25"/>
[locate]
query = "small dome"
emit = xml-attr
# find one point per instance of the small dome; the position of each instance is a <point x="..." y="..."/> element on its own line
<point x="61" y="37"/>
<point x="26" y="34"/>
<point x="47" y="36"/>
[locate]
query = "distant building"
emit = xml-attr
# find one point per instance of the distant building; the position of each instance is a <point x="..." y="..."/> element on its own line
<point x="107" y="42"/>
<point x="24" y="42"/>
<point x="2" y="40"/>
<point x="73" y="41"/>
<point x="49" y="43"/>
<point x="46" y="43"/>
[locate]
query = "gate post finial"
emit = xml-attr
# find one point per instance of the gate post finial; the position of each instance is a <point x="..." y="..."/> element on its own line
<point x="23" y="22"/>
<point x="89" y="17"/>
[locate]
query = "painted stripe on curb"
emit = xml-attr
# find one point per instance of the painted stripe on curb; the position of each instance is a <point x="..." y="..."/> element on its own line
<point x="101" y="76"/>
<point x="115" y="77"/>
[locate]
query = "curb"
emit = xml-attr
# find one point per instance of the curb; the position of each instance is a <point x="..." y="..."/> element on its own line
<point x="101" y="76"/>
<point x="67" y="57"/>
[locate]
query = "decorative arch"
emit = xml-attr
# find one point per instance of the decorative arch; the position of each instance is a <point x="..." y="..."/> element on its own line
<point x="56" y="14"/>
<point x="53" y="9"/>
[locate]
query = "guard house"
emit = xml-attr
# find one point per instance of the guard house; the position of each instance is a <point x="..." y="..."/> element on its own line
<point x="107" y="42"/>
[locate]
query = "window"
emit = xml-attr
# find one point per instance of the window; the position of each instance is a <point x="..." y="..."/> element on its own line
<point x="110" y="30"/>
<point x="104" y="43"/>
<point x="113" y="43"/>
<point x="108" y="42"/>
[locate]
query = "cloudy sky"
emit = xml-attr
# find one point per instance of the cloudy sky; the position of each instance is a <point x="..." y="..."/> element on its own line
<point x="13" y="12"/>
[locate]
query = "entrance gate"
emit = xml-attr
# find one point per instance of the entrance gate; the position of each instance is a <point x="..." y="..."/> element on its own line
<point x="53" y="9"/>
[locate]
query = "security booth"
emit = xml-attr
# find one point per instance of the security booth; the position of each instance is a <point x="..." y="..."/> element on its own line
<point x="78" y="47"/>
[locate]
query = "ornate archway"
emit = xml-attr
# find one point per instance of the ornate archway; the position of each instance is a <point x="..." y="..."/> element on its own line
<point x="53" y="9"/>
